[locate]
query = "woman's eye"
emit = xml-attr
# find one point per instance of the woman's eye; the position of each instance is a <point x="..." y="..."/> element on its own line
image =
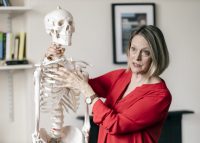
<point x="133" y="48"/>
<point x="146" y="53"/>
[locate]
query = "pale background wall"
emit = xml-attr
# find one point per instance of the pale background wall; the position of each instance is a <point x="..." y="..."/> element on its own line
<point x="92" y="42"/>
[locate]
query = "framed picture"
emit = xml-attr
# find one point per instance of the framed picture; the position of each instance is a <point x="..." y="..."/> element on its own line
<point x="126" y="17"/>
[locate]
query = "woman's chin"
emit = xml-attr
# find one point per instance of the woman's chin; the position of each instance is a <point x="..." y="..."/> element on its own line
<point x="136" y="70"/>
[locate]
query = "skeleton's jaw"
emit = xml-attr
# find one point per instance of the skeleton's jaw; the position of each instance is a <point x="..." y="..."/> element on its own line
<point x="61" y="39"/>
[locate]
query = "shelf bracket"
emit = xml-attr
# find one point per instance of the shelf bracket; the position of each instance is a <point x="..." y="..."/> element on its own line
<point x="10" y="95"/>
<point x="9" y="23"/>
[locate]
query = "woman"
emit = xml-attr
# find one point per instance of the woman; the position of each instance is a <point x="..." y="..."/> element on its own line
<point x="137" y="99"/>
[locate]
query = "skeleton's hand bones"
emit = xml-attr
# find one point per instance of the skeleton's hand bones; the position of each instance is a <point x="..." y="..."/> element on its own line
<point x="77" y="80"/>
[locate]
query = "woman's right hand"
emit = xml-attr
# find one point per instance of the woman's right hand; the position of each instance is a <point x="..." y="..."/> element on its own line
<point x="77" y="80"/>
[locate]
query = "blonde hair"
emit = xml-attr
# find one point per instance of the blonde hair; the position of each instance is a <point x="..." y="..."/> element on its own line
<point x="158" y="48"/>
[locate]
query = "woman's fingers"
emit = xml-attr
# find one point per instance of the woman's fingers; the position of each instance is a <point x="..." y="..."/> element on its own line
<point x="70" y="79"/>
<point x="58" y="78"/>
<point x="63" y="85"/>
<point x="66" y="73"/>
<point x="60" y="73"/>
<point x="80" y="74"/>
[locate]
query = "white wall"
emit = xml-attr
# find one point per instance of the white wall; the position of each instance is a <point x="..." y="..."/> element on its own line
<point x="92" y="42"/>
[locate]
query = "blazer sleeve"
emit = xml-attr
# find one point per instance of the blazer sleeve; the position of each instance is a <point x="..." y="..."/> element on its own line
<point x="145" y="112"/>
<point x="102" y="84"/>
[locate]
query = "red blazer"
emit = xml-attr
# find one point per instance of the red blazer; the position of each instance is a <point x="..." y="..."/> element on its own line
<point x="137" y="118"/>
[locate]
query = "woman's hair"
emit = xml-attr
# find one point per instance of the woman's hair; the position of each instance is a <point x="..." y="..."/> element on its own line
<point x="158" y="48"/>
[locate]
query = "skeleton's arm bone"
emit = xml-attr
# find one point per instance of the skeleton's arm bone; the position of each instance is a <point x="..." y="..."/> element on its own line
<point x="86" y="126"/>
<point x="37" y="76"/>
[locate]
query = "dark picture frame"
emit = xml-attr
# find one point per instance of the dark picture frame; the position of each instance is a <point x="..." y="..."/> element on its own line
<point x="125" y="18"/>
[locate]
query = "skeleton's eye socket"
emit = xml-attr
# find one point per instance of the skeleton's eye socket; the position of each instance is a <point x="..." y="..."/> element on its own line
<point x="70" y="22"/>
<point x="60" y="23"/>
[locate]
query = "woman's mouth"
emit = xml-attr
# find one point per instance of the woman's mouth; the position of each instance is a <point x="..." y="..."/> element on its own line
<point x="137" y="65"/>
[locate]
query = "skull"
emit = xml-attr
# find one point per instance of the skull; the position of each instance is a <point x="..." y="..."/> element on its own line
<point x="60" y="26"/>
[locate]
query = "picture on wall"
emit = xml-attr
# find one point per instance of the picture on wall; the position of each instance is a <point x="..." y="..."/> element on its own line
<point x="126" y="17"/>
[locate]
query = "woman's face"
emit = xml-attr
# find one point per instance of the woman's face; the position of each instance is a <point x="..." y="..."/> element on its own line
<point x="139" y="56"/>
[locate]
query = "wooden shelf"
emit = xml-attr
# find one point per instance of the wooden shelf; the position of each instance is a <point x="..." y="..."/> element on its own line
<point x="13" y="10"/>
<point x="14" y="19"/>
<point x="16" y="67"/>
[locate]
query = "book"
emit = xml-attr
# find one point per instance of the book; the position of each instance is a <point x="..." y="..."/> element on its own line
<point x="9" y="45"/>
<point x="1" y="3"/>
<point x="1" y="45"/>
<point x="22" y="39"/>
<point x="4" y="46"/>
<point x="6" y="2"/>
<point x="16" y="47"/>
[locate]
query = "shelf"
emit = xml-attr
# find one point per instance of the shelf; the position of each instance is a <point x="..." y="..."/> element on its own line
<point x="14" y="19"/>
<point x="16" y="67"/>
<point x="13" y="10"/>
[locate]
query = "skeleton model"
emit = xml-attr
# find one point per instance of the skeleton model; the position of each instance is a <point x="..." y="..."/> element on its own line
<point x="49" y="97"/>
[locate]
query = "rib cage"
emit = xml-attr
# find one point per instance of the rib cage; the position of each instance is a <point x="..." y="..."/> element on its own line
<point x="52" y="95"/>
<point x="54" y="99"/>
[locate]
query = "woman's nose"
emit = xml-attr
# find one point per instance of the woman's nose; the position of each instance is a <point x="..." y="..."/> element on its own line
<point x="138" y="55"/>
